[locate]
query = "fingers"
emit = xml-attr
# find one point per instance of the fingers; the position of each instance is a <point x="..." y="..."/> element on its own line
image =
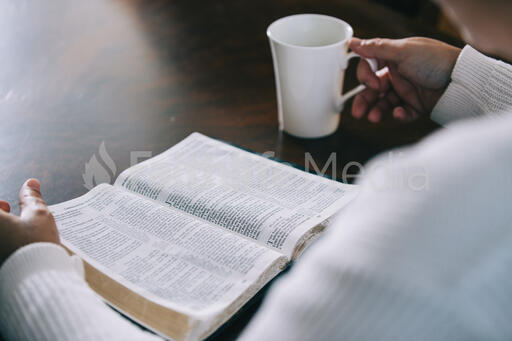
<point x="5" y="218"/>
<point x="30" y="196"/>
<point x="4" y="206"/>
<point x="362" y="102"/>
<point x="387" y="49"/>
<point x="388" y="91"/>
<point x="368" y="100"/>
<point x="404" y="89"/>
<point x="366" y="76"/>
<point x="381" y="107"/>
<point x="4" y="212"/>
<point x="405" y="114"/>
<point x="375" y="105"/>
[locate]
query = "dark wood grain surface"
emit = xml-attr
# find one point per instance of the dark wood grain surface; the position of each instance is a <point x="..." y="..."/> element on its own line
<point x="142" y="75"/>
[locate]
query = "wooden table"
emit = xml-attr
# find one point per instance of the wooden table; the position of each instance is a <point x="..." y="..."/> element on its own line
<point x="142" y="75"/>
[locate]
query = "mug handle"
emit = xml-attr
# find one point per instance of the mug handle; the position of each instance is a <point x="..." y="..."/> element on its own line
<point x="349" y="94"/>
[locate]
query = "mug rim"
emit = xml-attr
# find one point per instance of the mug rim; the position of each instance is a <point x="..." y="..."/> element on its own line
<point x="346" y="24"/>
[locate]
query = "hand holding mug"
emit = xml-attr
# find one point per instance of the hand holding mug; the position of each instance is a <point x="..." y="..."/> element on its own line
<point x="415" y="73"/>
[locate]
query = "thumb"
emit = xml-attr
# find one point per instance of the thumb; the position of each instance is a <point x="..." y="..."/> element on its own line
<point x="380" y="48"/>
<point x="30" y="196"/>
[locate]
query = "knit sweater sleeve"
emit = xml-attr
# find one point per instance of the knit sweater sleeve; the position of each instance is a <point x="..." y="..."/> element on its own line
<point x="423" y="253"/>
<point x="45" y="297"/>
<point x="480" y="85"/>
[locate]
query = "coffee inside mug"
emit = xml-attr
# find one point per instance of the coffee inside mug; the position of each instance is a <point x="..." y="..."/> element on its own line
<point x="310" y="30"/>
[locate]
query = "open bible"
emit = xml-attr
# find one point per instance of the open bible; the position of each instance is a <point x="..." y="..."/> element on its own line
<point x="181" y="241"/>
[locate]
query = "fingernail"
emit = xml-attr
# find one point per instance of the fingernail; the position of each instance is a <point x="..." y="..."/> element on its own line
<point x="355" y="42"/>
<point x="374" y="116"/>
<point x="358" y="113"/>
<point x="400" y="114"/>
<point x="34" y="184"/>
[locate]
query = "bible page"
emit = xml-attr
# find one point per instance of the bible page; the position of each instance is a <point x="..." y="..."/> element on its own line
<point x="165" y="255"/>
<point x="261" y="199"/>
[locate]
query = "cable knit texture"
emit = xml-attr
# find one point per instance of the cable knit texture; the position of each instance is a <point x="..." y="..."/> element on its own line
<point x="402" y="263"/>
<point x="422" y="254"/>
<point x="480" y="85"/>
<point x="44" y="297"/>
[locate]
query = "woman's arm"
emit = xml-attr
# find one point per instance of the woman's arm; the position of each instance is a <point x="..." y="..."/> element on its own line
<point x="44" y="297"/>
<point x="480" y="85"/>
<point x="43" y="293"/>
<point x="422" y="254"/>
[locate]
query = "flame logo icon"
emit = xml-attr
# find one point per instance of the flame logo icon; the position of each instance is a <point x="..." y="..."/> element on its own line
<point x="95" y="173"/>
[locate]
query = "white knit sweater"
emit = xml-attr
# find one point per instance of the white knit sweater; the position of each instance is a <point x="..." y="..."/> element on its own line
<point x="401" y="263"/>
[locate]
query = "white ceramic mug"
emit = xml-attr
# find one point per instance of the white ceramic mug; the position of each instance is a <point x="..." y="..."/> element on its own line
<point x="310" y="55"/>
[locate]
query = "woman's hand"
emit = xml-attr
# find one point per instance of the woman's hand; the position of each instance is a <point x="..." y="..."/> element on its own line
<point x="414" y="74"/>
<point x="35" y="223"/>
